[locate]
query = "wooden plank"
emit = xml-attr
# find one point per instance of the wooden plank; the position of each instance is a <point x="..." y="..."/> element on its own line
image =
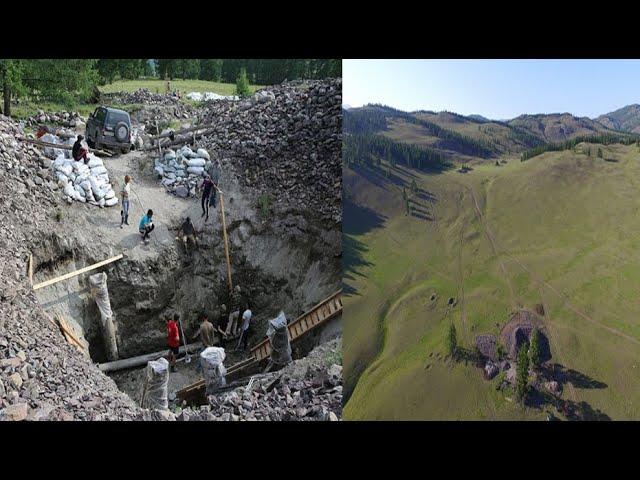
<point x="226" y="241"/>
<point x="61" y="146"/>
<point x="77" y="272"/>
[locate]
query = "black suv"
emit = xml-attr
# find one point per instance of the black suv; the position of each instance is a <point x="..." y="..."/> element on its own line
<point x="110" y="128"/>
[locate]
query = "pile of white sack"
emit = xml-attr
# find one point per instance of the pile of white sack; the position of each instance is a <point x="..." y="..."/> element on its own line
<point x="52" y="152"/>
<point x="181" y="171"/>
<point x="209" y="96"/>
<point x="84" y="183"/>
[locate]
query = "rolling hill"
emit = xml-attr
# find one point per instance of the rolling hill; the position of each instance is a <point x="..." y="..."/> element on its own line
<point x="557" y="234"/>
<point x="626" y="119"/>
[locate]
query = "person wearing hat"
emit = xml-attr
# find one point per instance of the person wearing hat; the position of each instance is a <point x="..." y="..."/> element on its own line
<point x="79" y="152"/>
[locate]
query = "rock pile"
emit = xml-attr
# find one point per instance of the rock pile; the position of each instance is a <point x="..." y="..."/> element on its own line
<point x="307" y="389"/>
<point x="182" y="171"/>
<point x="41" y="375"/>
<point x="142" y="95"/>
<point x="166" y="116"/>
<point x="65" y="119"/>
<point x="285" y="142"/>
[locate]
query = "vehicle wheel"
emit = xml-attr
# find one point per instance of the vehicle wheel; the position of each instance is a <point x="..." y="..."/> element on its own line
<point x="121" y="132"/>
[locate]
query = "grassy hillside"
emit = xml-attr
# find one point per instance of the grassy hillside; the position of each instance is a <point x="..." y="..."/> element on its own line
<point x="626" y="119"/>
<point x="562" y="230"/>
<point x="160" y="86"/>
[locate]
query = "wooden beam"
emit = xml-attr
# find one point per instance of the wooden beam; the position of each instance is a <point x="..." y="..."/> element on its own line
<point x="226" y="242"/>
<point x="61" y="146"/>
<point x="141" y="359"/>
<point x="77" y="272"/>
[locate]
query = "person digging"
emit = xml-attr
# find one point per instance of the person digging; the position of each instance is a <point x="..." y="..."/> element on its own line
<point x="206" y="332"/>
<point x="146" y="226"/>
<point x="187" y="233"/>
<point x="173" y="340"/>
<point x="79" y="152"/>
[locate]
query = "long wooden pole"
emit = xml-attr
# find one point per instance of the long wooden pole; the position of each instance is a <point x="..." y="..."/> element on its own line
<point x="142" y="359"/>
<point x="77" y="272"/>
<point x="61" y="146"/>
<point x="226" y="241"/>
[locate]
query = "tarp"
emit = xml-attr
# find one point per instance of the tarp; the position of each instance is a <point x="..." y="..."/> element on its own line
<point x="100" y="294"/>
<point x="211" y="361"/>
<point x="156" y="382"/>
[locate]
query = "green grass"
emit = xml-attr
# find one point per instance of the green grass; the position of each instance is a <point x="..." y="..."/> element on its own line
<point x="571" y="220"/>
<point x="185" y="86"/>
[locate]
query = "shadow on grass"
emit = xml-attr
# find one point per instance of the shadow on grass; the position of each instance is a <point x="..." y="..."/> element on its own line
<point x="540" y="398"/>
<point x="357" y="220"/>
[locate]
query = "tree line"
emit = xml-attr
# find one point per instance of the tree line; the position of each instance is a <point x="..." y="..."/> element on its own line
<point x="370" y="149"/>
<point x="373" y="117"/>
<point x="70" y="80"/>
<point x="602" y="138"/>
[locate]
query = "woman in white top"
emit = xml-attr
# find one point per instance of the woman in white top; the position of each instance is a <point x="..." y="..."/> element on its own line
<point x="124" y="213"/>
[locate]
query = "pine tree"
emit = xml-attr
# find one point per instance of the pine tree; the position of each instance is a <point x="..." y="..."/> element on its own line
<point x="522" y="373"/>
<point x="452" y="341"/>
<point x="534" y="348"/>
<point x="242" y="84"/>
<point x="599" y="153"/>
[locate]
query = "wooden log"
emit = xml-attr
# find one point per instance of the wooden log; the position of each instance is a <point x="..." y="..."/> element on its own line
<point x="77" y="272"/>
<point x="62" y="146"/>
<point x="31" y="269"/>
<point x="226" y="242"/>
<point x="187" y="140"/>
<point x="182" y="131"/>
<point x="141" y="360"/>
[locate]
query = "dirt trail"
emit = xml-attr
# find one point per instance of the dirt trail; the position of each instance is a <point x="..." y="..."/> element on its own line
<point x="103" y="224"/>
<point x="542" y="282"/>
<point x="492" y="241"/>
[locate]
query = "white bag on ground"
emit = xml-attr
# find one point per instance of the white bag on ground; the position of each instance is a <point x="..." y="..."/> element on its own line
<point x="155" y="393"/>
<point x="195" y="170"/>
<point x="196" y="162"/>
<point x="211" y="361"/>
<point x="278" y="334"/>
<point x="202" y="153"/>
<point x="98" y="170"/>
<point x="111" y="202"/>
<point x="94" y="161"/>
<point x="95" y="188"/>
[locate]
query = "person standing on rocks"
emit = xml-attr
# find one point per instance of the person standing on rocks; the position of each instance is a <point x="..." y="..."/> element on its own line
<point x="146" y="226"/>
<point x="124" y="213"/>
<point x="208" y="187"/>
<point x="173" y="340"/>
<point x="79" y="152"/>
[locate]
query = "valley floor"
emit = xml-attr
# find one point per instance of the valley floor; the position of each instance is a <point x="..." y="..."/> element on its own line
<point x="561" y="230"/>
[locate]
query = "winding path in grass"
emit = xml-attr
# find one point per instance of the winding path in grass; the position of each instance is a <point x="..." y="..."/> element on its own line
<point x="542" y="282"/>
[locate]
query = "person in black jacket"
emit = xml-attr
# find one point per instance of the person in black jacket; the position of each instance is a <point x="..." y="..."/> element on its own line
<point x="78" y="151"/>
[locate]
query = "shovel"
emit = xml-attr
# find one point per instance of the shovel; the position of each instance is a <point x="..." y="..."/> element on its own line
<point x="187" y="358"/>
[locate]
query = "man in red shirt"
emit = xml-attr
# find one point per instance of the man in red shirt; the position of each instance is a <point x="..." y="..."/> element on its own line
<point x="173" y="339"/>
